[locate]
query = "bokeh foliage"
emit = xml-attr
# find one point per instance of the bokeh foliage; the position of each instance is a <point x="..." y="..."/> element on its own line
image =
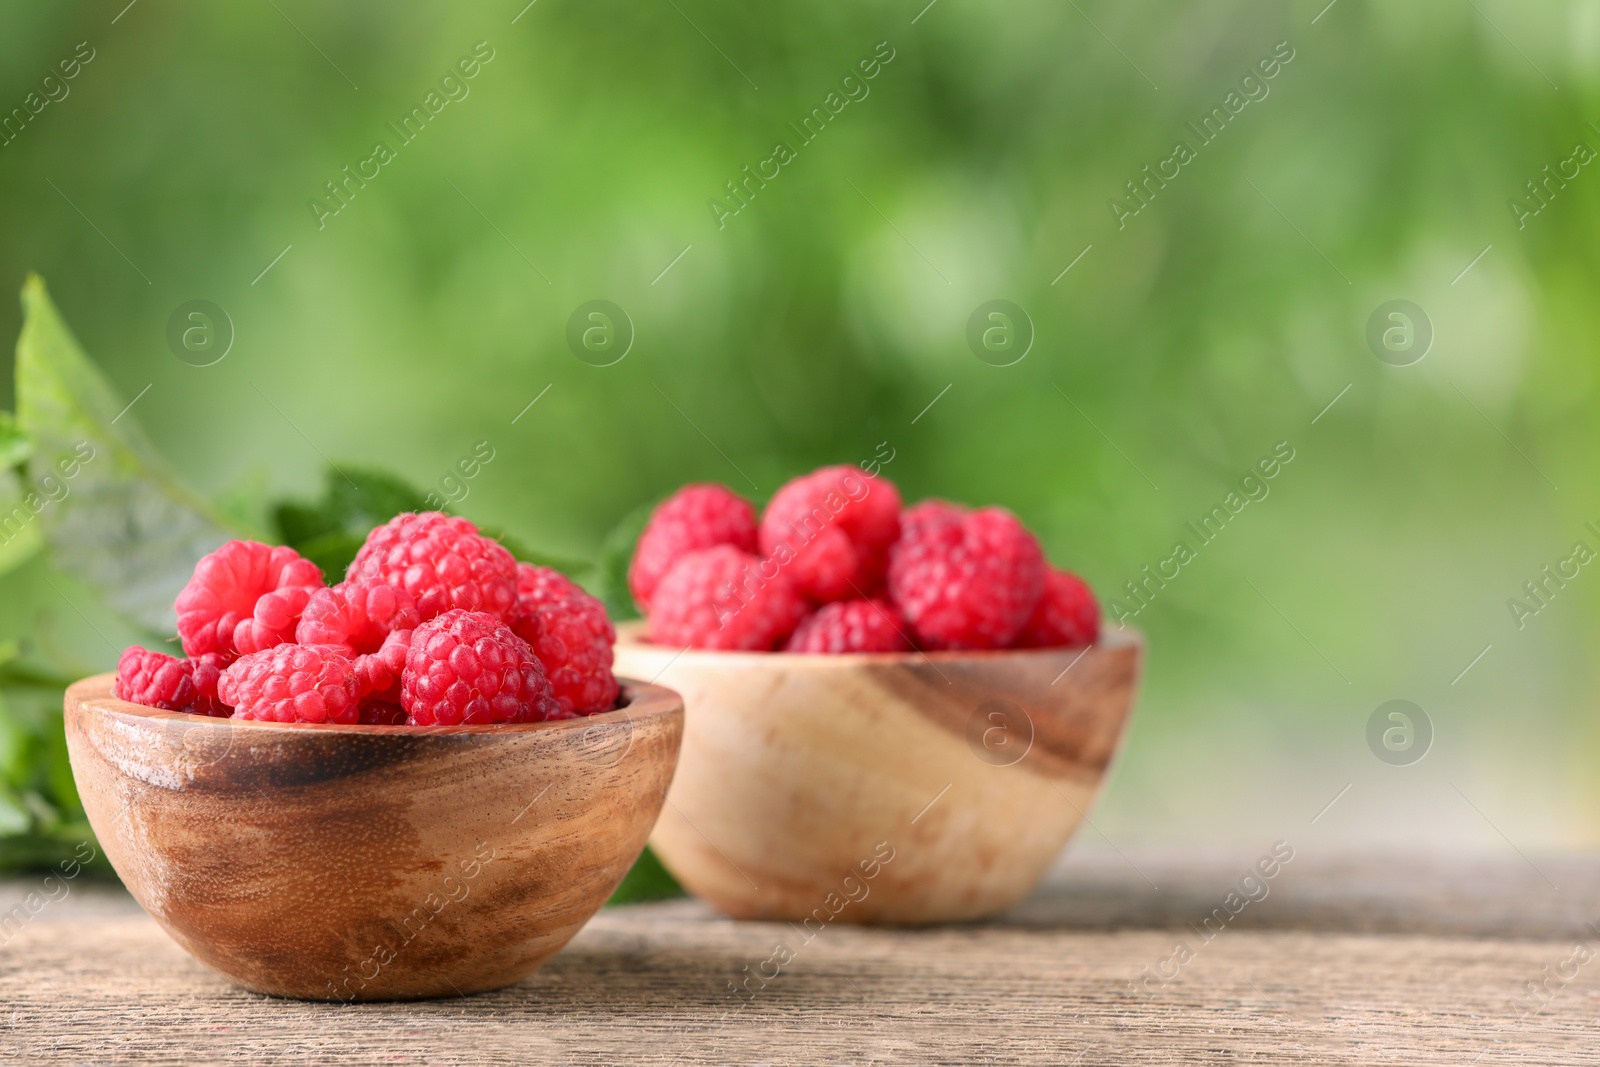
<point x="823" y="318"/>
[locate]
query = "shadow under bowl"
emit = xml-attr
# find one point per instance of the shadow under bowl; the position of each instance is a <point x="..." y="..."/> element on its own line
<point x="347" y="863"/>
<point x="902" y="788"/>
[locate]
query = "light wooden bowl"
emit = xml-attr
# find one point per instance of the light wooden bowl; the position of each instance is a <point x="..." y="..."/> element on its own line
<point x="371" y="862"/>
<point x="800" y="773"/>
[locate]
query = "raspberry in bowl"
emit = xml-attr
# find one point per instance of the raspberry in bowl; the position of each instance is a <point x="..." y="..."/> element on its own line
<point x="382" y="789"/>
<point x="882" y="727"/>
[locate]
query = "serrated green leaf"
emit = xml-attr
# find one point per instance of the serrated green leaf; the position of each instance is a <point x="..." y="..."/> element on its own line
<point x="114" y="517"/>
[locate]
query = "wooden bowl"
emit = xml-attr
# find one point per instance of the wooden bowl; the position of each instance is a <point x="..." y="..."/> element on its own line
<point x="883" y="788"/>
<point x="371" y="862"/>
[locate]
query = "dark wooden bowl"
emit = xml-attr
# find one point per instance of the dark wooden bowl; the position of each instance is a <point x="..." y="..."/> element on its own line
<point x="371" y="862"/>
<point x="883" y="788"/>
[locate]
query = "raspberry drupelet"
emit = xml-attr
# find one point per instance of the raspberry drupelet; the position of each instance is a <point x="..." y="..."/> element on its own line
<point x="372" y="621"/>
<point x="1067" y="616"/>
<point x="292" y="683"/>
<point x="831" y="531"/>
<point x="244" y="597"/>
<point x="442" y="561"/>
<point x="965" y="579"/>
<point x="852" y="626"/>
<point x="468" y="667"/>
<point x="153" y="679"/>
<point x="571" y="634"/>
<point x="695" y="517"/>
<point x="722" y="598"/>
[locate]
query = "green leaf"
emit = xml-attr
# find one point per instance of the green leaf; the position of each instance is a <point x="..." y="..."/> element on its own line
<point x="15" y="446"/>
<point x="616" y="553"/>
<point x="244" y="502"/>
<point x="21" y="538"/>
<point x="576" y="569"/>
<point x="646" y="880"/>
<point x="113" y="516"/>
<point x="17" y="749"/>
<point x="15" y="818"/>
<point x="328" y="531"/>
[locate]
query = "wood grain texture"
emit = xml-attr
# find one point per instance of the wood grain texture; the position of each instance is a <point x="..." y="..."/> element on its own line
<point x="902" y="788"/>
<point x="90" y="982"/>
<point x="370" y="862"/>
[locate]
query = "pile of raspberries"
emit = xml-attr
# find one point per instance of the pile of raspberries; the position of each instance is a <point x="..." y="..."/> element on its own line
<point x="434" y="625"/>
<point x="835" y="565"/>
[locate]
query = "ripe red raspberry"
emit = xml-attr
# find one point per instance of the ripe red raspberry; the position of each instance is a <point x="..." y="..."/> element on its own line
<point x="468" y="667"/>
<point x="695" y="517"/>
<point x="244" y="597"/>
<point x="965" y="579"/>
<point x="206" y="671"/>
<point x="723" y="598"/>
<point x="442" y="561"/>
<point x="1067" y="616"/>
<point x="831" y="531"/>
<point x="852" y="626"/>
<point x="292" y="683"/>
<point x="153" y="679"/>
<point x="571" y="634"/>
<point x="358" y="615"/>
<point x="378" y="673"/>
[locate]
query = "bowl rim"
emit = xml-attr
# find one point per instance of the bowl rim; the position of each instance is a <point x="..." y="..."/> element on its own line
<point x="645" y="701"/>
<point x="630" y="635"/>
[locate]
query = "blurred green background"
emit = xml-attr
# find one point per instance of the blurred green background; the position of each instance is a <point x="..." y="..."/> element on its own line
<point x="826" y="315"/>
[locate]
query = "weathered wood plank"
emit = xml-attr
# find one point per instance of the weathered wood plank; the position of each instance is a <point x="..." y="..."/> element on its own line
<point x="95" y="981"/>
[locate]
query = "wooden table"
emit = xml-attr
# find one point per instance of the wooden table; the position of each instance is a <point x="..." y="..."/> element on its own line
<point x="1360" y="960"/>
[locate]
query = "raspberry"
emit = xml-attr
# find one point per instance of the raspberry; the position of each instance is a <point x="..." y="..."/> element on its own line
<point x="378" y="673"/>
<point x="206" y="671"/>
<point x="725" y="599"/>
<point x="153" y="679"/>
<point x="1067" y="616"/>
<point x="929" y="512"/>
<point x="571" y="634"/>
<point x="442" y="561"/>
<point x="292" y="683"/>
<point x="965" y="579"/>
<point x="831" y="531"/>
<point x="244" y="597"/>
<point x="358" y="615"/>
<point x="695" y="517"/>
<point x="852" y="626"/>
<point x="468" y="667"/>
